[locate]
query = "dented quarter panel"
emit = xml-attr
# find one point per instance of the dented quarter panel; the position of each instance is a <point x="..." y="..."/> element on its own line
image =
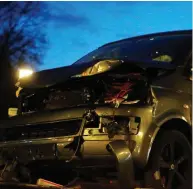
<point x="153" y="120"/>
<point x="172" y="101"/>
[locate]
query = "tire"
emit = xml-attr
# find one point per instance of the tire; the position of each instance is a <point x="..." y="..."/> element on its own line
<point x="170" y="164"/>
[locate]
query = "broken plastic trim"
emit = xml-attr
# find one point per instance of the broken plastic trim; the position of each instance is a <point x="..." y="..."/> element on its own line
<point x="124" y="163"/>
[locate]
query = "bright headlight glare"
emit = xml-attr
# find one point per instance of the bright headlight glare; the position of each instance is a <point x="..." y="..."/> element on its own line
<point x="25" y="73"/>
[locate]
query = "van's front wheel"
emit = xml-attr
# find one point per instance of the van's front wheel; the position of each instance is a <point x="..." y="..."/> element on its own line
<point x="170" y="163"/>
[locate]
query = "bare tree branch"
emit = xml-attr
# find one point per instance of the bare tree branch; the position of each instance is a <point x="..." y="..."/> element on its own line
<point x="21" y="31"/>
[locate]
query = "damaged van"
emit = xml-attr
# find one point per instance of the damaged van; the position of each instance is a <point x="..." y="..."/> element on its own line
<point x="124" y="108"/>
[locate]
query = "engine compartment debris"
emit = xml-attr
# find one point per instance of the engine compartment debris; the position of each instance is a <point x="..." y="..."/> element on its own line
<point x="99" y="84"/>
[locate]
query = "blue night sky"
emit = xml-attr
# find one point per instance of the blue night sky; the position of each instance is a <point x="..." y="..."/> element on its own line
<point x="75" y="28"/>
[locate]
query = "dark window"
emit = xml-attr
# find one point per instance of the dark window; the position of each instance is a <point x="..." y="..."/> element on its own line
<point x="161" y="48"/>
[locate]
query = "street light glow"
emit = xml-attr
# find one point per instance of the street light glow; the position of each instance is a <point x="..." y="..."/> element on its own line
<point x="25" y="72"/>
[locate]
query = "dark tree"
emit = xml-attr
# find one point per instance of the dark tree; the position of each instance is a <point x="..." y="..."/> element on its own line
<point x="21" y="40"/>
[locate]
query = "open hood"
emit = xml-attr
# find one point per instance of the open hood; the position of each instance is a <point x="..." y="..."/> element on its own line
<point x="51" y="77"/>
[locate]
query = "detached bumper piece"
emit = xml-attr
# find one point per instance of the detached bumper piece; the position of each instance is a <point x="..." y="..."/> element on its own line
<point x="124" y="163"/>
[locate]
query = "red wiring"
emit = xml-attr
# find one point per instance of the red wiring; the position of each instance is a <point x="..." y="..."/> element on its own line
<point x="121" y="89"/>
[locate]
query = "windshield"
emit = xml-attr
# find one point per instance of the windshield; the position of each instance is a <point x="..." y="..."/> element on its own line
<point x="159" y="48"/>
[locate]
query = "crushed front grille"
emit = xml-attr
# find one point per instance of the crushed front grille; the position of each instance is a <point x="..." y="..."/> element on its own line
<point x="45" y="130"/>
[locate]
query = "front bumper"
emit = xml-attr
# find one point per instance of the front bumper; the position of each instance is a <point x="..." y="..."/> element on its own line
<point x="93" y="141"/>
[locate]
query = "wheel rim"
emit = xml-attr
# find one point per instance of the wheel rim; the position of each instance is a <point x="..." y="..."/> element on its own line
<point x="174" y="166"/>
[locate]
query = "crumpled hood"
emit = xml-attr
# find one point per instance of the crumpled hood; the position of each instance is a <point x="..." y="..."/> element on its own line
<point x="51" y="77"/>
<point x="47" y="78"/>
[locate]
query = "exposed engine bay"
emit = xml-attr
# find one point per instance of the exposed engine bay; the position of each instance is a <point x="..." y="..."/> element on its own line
<point x="107" y="87"/>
